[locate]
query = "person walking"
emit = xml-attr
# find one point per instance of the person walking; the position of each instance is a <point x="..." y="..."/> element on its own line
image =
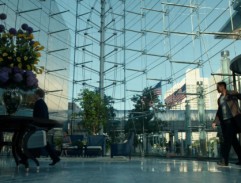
<point x="40" y="110"/>
<point x="226" y="114"/>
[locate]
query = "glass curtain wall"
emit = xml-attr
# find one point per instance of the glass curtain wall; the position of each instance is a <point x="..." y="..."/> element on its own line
<point x="48" y="23"/>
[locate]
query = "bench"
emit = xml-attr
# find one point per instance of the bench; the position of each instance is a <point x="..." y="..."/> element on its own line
<point x="95" y="146"/>
<point x="123" y="149"/>
<point x="93" y="151"/>
<point x="76" y="149"/>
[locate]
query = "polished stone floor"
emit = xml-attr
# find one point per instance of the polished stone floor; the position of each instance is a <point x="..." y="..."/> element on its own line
<point x="119" y="170"/>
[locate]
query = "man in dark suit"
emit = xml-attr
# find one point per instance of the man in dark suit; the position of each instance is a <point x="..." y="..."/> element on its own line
<point x="228" y="110"/>
<point x="40" y="110"/>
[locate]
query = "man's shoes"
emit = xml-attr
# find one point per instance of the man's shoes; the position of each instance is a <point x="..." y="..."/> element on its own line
<point x="54" y="162"/>
<point x="221" y="163"/>
<point x="238" y="163"/>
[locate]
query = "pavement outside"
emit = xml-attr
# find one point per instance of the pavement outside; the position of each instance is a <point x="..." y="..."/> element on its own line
<point x="119" y="170"/>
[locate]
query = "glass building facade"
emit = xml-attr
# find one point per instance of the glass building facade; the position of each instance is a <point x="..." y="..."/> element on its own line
<point x="128" y="45"/>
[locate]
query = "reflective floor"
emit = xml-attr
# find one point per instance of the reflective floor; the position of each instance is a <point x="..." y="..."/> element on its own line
<point x="119" y="170"/>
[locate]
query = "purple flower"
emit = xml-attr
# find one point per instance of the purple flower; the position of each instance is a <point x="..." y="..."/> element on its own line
<point x="6" y="69"/>
<point x="18" y="77"/>
<point x="3" y="16"/>
<point x="29" y="74"/>
<point x="29" y="30"/>
<point x="17" y="70"/>
<point x="24" y="26"/>
<point x="32" y="81"/>
<point x="3" y="76"/>
<point x="2" y="28"/>
<point x="12" y="31"/>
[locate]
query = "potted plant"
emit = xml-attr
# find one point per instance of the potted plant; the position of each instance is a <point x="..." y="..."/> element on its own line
<point x="19" y="57"/>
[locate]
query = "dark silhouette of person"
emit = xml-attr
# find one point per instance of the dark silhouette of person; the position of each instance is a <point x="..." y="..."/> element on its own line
<point x="40" y="110"/>
<point x="228" y="109"/>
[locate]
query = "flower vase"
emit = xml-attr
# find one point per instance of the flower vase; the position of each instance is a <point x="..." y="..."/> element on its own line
<point x="11" y="99"/>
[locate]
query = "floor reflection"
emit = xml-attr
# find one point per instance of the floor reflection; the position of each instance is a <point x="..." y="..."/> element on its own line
<point x="108" y="170"/>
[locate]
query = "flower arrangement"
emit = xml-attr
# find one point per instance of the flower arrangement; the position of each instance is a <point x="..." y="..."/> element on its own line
<point x="19" y="56"/>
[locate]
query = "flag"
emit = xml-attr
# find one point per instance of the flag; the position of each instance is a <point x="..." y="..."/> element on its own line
<point x="181" y="93"/>
<point x="176" y="97"/>
<point x="169" y="101"/>
<point x="158" y="88"/>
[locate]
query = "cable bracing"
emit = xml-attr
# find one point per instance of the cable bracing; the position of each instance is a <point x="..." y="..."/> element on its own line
<point x="144" y="35"/>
